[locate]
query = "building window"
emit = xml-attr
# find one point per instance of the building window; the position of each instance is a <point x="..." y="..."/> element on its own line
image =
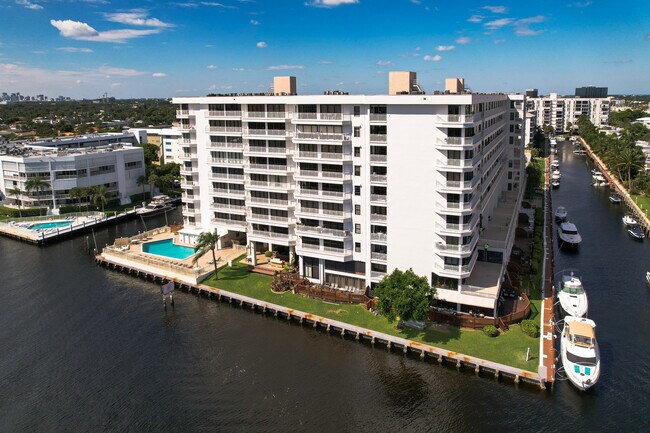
<point x="357" y="131"/>
<point x="357" y="111"/>
<point x="357" y="170"/>
<point x="357" y="152"/>
<point x="357" y="190"/>
<point x="357" y="209"/>
<point x="357" y="229"/>
<point x="357" y="247"/>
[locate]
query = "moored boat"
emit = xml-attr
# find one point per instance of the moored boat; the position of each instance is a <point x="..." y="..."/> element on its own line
<point x="561" y="213"/>
<point x="615" y="198"/>
<point x="572" y="295"/>
<point x="555" y="183"/>
<point x="153" y="209"/>
<point x="636" y="232"/>
<point x="629" y="220"/>
<point x="580" y="353"/>
<point x="647" y="277"/>
<point x="568" y="235"/>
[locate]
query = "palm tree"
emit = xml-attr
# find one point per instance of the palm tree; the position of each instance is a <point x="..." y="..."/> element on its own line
<point x="153" y="180"/>
<point x="17" y="192"/>
<point x="100" y="196"/>
<point x="207" y="241"/>
<point x="142" y="181"/>
<point x="37" y="184"/>
<point x="629" y="158"/>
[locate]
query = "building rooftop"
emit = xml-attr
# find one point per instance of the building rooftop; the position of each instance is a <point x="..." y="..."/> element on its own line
<point x="29" y="151"/>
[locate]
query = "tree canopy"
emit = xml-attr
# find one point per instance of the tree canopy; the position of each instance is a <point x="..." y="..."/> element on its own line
<point x="404" y="294"/>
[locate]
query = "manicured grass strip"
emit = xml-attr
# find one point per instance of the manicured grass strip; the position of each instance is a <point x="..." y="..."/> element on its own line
<point x="643" y="202"/>
<point x="509" y="348"/>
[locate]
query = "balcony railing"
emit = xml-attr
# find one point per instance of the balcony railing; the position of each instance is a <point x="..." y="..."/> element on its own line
<point x="265" y="115"/>
<point x="311" y="230"/>
<point x="273" y="132"/>
<point x="263" y="184"/>
<point x="378" y="178"/>
<point x="268" y="217"/>
<point x="378" y="198"/>
<point x="218" y="176"/>
<point x="378" y="158"/>
<point x="323" y="193"/>
<point x="378" y="138"/>
<point x="223" y="145"/>
<point x="376" y="217"/>
<point x="379" y="256"/>
<point x="381" y="237"/>
<point x="320" y="136"/>
<point x="378" y="117"/>
<point x="463" y="141"/>
<point x="222" y="113"/>
<point x="227" y="161"/>
<point x="335" y="250"/>
<point x="230" y="222"/>
<point x="269" y="167"/>
<point x="182" y="112"/>
<point x="264" y="200"/>
<point x="229" y="192"/>
<point x="458" y="183"/>
<point x="377" y="274"/>
<point x="261" y="149"/>
<point x="236" y="129"/>
<point x="227" y="206"/>
<point x="269" y="234"/>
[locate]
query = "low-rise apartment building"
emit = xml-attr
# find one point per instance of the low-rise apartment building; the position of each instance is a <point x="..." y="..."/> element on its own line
<point x="561" y="112"/>
<point x="356" y="186"/>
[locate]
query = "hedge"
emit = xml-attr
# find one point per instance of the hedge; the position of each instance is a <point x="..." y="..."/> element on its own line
<point x="26" y="212"/>
<point x="530" y="328"/>
<point x="490" y="331"/>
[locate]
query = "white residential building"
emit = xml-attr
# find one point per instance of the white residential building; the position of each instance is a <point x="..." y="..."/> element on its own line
<point x="356" y="186"/>
<point x="559" y="111"/>
<point x="116" y="166"/>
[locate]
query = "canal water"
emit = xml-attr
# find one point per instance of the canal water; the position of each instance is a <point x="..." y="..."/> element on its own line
<point x="84" y="348"/>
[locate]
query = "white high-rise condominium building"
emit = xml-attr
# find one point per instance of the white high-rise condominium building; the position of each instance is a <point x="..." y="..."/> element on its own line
<point x="559" y="111"/>
<point x="356" y="186"/>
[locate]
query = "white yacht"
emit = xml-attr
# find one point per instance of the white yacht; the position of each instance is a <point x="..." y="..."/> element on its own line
<point x="555" y="164"/>
<point x="561" y="213"/>
<point x="569" y="236"/>
<point x="152" y="209"/>
<point x="629" y="220"/>
<point x="556" y="175"/>
<point x="647" y="277"/>
<point x="555" y="183"/>
<point x="580" y="354"/>
<point x="572" y="296"/>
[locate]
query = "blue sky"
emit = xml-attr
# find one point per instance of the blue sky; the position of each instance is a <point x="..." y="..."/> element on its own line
<point x="83" y="48"/>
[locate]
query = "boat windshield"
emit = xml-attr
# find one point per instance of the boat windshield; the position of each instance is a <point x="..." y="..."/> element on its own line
<point x="573" y="288"/>
<point x="570" y="232"/>
<point x="580" y="360"/>
<point x="582" y="340"/>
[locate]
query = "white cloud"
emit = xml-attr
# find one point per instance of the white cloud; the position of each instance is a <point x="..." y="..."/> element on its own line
<point x="475" y="19"/>
<point x="496" y="9"/>
<point x="330" y="3"/>
<point x="522" y="26"/>
<point x="255" y="22"/>
<point x="212" y="66"/>
<point x="497" y="24"/>
<point x="527" y="31"/>
<point x="29" y="5"/>
<point x="113" y="85"/>
<point x="531" y="20"/>
<point x="284" y="67"/>
<point x="435" y="58"/>
<point x="75" y="50"/>
<point x="136" y="18"/>
<point x="239" y="69"/>
<point x="83" y="32"/>
<point x="445" y="48"/>
<point x="222" y="87"/>
<point x="498" y="41"/>
<point x="159" y="75"/>
<point x="325" y="62"/>
<point x="121" y="72"/>
<point x="383" y="63"/>
<point x="261" y="44"/>
<point x="584" y="4"/>
<point x="463" y="40"/>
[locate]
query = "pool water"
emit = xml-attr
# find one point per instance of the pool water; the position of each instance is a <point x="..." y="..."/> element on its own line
<point x="167" y="248"/>
<point x="50" y="225"/>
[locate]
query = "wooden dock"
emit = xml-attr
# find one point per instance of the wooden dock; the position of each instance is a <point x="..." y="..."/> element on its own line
<point x="639" y="215"/>
<point x="42" y="238"/>
<point x="547" y="337"/>
<point x="405" y="346"/>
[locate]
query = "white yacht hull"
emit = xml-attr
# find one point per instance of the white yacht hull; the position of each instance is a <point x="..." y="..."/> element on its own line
<point x="573" y="305"/>
<point x="580" y="375"/>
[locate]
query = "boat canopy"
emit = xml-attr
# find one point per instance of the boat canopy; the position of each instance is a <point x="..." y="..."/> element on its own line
<point x="573" y="287"/>
<point x="581" y="334"/>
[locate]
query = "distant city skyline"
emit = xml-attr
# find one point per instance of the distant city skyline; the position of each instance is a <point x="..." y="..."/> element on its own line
<point x="188" y="47"/>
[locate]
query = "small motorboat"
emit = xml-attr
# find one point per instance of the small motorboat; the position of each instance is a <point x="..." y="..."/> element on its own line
<point x="629" y="220"/>
<point x="555" y="164"/>
<point x="572" y="296"/>
<point x="556" y="174"/>
<point x="568" y="235"/>
<point x="615" y="198"/>
<point x="153" y="208"/>
<point x="561" y="213"/>
<point x="555" y="183"/>
<point x="579" y="152"/>
<point x="636" y="232"/>
<point x="595" y="172"/>
<point x="647" y="277"/>
<point x="580" y="353"/>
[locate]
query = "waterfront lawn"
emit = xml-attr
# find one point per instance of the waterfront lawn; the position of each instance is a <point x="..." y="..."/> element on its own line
<point x="509" y="348"/>
<point x="643" y="202"/>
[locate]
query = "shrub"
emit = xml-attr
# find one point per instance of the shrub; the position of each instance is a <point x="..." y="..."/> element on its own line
<point x="68" y="209"/>
<point x="25" y="212"/>
<point x="268" y="254"/>
<point x="139" y="198"/>
<point x="530" y="328"/>
<point x="490" y="331"/>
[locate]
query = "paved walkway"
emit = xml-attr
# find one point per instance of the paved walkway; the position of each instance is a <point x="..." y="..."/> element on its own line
<point x="547" y="360"/>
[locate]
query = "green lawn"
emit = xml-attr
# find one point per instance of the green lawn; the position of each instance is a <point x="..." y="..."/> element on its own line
<point x="509" y="348"/>
<point x="643" y="202"/>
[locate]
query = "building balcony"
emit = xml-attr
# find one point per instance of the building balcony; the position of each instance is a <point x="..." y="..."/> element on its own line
<point x="456" y="271"/>
<point x="190" y="198"/>
<point x="264" y="185"/>
<point x="185" y="127"/>
<point x="378" y="117"/>
<point x="224" y="129"/>
<point x="236" y="224"/>
<point x="455" y="229"/>
<point x="328" y="156"/>
<point x="226" y="146"/>
<point x="378" y="138"/>
<point x="322" y="232"/>
<point x="297" y="117"/>
<point x="187" y="156"/>
<point x="310" y="212"/>
<point x="228" y="113"/>
<point x="316" y="193"/>
<point x="378" y="237"/>
<point x="456" y="119"/>
<point x="340" y="254"/>
<point x="261" y="235"/>
<point x="189" y="185"/>
<point x="442" y="246"/>
<point x="379" y="158"/>
<point x="378" y="198"/>
<point x="376" y="275"/>
<point x="281" y="169"/>
<point x="227" y="161"/>
<point x="225" y="176"/>
<point x="267" y="150"/>
<point x="187" y="141"/>
<point x="319" y="136"/>
<point x="381" y="257"/>
<point x="220" y="192"/>
<point x="182" y="113"/>
<point x="266" y="132"/>
<point x="271" y="115"/>
<point x="240" y="209"/>
<point x="450" y="164"/>
<point x="465" y="205"/>
<point x="265" y="218"/>
<point x="187" y="171"/>
<point x="378" y="178"/>
<point x="311" y="175"/>
<point x="268" y="202"/>
<point x="376" y="217"/>
<point x="456" y="185"/>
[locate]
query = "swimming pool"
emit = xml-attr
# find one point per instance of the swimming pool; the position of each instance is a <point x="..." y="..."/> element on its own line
<point x="167" y="248"/>
<point x="50" y="225"/>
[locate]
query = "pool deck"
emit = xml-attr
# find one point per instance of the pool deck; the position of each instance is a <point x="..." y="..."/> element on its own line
<point x="128" y="253"/>
<point x="81" y="222"/>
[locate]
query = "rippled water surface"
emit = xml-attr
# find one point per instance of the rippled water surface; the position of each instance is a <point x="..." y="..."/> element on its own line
<point x="88" y="349"/>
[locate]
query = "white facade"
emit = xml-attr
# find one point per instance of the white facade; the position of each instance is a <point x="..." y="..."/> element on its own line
<point x="357" y="186"/>
<point x="116" y="166"/>
<point x="170" y="146"/>
<point x="558" y="111"/>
